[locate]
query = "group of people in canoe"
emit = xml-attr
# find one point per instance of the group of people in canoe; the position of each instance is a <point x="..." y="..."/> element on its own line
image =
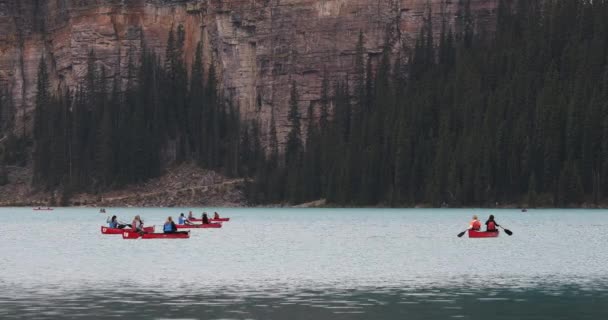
<point x="168" y="227"/>
<point x="190" y="218"/>
<point x="137" y="224"/>
<point x="491" y="224"/>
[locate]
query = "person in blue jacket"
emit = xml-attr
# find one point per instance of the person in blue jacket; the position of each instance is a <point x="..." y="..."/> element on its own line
<point x="169" y="226"/>
<point x="183" y="220"/>
<point x="113" y="223"/>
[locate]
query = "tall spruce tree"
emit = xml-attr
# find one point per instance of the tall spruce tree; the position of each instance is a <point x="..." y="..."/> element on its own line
<point x="197" y="104"/>
<point x="293" y="148"/>
<point x="41" y="113"/>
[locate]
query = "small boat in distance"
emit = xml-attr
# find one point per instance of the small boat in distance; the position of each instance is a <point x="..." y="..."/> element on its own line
<point x="102" y="210"/>
<point x="524" y="210"/>
<point x="43" y="209"/>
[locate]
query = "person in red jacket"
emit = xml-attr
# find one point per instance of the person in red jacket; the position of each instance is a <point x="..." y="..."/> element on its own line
<point x="475" y="224"/>
<point x="491" y="224"/>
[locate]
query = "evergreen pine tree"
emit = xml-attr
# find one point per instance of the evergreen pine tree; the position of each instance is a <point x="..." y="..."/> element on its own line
<point x="42" y="141"/>
<point x="196" y="104"/>
<point x="293" y="148"/>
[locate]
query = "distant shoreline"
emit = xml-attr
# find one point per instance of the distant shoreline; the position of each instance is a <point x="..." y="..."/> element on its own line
<point x="308" y="205"/>
<point x="187" y="185"/>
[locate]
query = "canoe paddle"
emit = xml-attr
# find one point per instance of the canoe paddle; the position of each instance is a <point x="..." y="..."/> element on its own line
<point x="462" y="233"/>
<point x="125" y="224"/>
<point x="507" y="231"/>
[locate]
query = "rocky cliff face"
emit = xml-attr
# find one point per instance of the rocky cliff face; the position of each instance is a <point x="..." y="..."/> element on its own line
<point x="259" y="46"/>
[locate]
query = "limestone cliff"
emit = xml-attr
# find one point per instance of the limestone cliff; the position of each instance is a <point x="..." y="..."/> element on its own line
<point x="257" y="45"/>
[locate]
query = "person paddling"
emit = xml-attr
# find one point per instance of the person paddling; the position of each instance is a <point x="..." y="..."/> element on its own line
<point x="190" y="216"/>
<point x="169" y="226"/>
<point x="475" y="224"/>
<point x="216" y="215"/>
<point x="183" y="220"/>
<point x="205" y="219"/>
<point x="138" y="224"/>
<point x="491" y="224"/>
<point x="113" y="223"/>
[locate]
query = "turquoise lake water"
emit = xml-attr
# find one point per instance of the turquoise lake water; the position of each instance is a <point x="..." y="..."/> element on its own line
<point x="306" y="264"/>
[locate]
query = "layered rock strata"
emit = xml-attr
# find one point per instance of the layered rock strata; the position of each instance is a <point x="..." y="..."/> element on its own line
<point x="259" y="46"/>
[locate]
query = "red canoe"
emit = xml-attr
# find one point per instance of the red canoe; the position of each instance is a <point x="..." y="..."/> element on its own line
<point x="106" y="230"/>
<point x="210" y="219"/>
<point x="135" y="235"/>
<point x="483" y="234"/>
<point x="197" y="226"/>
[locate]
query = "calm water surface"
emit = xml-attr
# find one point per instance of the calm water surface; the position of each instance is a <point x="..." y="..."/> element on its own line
<point x="306" y="264"/>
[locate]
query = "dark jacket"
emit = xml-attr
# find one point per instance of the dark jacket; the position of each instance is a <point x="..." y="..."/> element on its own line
<point x="495" y="224"/>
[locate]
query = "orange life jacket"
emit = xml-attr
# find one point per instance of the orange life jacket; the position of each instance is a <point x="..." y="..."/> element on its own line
<point x="475" y="225"/>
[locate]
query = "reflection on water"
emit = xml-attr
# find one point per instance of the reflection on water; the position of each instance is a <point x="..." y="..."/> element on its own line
<point x="553" y="302"/>
<point x="306" y="264"/>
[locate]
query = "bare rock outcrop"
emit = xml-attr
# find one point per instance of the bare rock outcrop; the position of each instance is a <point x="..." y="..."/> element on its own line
<point x="259" y="46"/>
<point x="186" y="185"/>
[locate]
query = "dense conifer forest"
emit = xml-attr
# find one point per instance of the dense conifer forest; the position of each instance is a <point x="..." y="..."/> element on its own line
<point x="513" y="115"/>
<point x="108" y="133"/>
